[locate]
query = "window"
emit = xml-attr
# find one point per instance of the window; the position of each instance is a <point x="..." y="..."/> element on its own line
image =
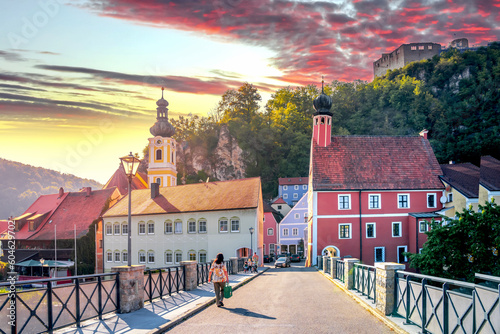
<point x="374" y="201"/>
<point x="31" y="225"/>
<point x="168" y="257"/>
<point x="396" y="229"/>
<point x="431" y="200"/>
<point x="429" y="47"/>
<point x="450" y="197"/>
<point x="109" y="229"/>
<point x="151" y="257"/>
<point x="295" y="195"/>
<point x="285" y="232"/>
<point x="421" y="47"/>
<point x="285" y="196"/>
<point x="401" y="257"/>
<point x="116" y="229"/>
<point x="279" y="207"/>
<point x="178" y="227"/>
<point x="125" y="228"/>
<point x="125" y="256"/>
<point x="142" y="257"/>
<point x="344" y="202"/>
<point x="414" y="47"/>
<point x="117" y="256"/>
<point x="192" y="255"/>
<point x="304" y="187"/>
<point x="235" y="225"/>
<point x="345" y="231"/>
<point x="296" y="187"/>
<point x="271" y="248"/>
<point x="203" y="257"/>
<point x="295" y="231"/>
<point x="370" y="230"/>
<point x="285" y="187"/>
<point x="297" y="215"/>
<point x="142" y="228"/>
<point x="379" y="254"/>
<point x="403" y="201"/>
<point x="422" y="226"/>
<point x="151" y="228"/>
<point x="202" y="226"/>
<point x="109" y="256"/>
<point x="270" y="231"/>
<point x="158" y="180"/>
<point x="223" y="226"/>
<point x="168" y="227"/>
<point x="191" y="226"/>
<point x="158" y="154"/>
<point x="178" y="257"/>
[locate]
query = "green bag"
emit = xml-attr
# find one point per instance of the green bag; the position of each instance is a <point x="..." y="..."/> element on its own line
<point x="228" y="291"/>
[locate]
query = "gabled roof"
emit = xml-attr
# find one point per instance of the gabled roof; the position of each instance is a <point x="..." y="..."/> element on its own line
<point x="375" y="162"/>
<point x="279" y="201"/>
<point x="463" y="177"/>
<point x="490" y="173"/>
<point x="292" y="180"/>
<point x="198" y="197"/>
<point x="119" y="179"/>
<point x="269" y="209"/>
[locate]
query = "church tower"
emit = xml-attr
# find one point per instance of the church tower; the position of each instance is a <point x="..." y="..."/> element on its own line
<point x="161" y="164"/>
<point x="322" y="121"/>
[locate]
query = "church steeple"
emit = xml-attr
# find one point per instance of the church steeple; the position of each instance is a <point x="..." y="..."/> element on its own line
<point x="322" y="122"/>
<point x="162" y="158"/>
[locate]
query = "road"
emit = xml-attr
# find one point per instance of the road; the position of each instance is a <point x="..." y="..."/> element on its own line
<point x="285" y="300"/>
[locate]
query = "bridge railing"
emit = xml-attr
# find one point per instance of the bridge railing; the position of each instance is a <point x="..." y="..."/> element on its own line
<point x="439" y="305"/>
<point x="340" y="270"/>
<point x="160" y="282"/>
<point x="43" y="305"/>
<point x="365" y="280"/>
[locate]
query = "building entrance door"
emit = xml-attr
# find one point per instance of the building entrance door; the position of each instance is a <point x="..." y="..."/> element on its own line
<point x="292" y="249"/>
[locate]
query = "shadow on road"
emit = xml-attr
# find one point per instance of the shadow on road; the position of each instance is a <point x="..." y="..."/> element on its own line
<point x="247" y="313"/>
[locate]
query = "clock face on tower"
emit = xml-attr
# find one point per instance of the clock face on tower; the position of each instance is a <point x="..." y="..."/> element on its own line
<point x="158" y="141"/>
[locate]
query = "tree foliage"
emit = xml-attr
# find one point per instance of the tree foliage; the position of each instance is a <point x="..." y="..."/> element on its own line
<point x="458" y="248"/>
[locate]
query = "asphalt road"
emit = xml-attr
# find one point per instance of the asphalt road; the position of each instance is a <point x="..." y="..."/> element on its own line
<point x="285" y="300"/>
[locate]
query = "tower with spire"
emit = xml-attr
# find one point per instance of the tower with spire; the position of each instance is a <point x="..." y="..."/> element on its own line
<point x="322" y="121"/>
<point x="162" y="155"/>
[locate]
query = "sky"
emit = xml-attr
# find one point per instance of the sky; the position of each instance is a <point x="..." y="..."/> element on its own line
<point x="79" y="79"/>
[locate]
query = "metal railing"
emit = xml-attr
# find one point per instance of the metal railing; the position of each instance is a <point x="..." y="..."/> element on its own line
<point x="328" y="269"/>
<point x="439" y="305"/>
<point x="50" y="306"/>
<point x="202" y="270"/>
<point x="241" y="264"/>
<point x="160" y="282"/>
<point x="339" y="270"/>
<point x="365" y="280"/>
<point x="319" y="262"/>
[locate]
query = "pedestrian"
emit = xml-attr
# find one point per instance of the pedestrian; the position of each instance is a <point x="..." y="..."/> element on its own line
<point x="255" y="259"/>
<point x="218" y="274"/>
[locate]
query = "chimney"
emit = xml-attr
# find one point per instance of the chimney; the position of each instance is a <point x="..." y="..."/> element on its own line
<point x="61" y="192"/>
<point x="88" y="190"/>
<point x="424" y="133"/>
<point x="155" y="190"/>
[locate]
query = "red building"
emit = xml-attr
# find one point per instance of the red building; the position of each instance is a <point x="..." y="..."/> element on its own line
<point x="271" y="229"/>
<point x="369" y="196"/>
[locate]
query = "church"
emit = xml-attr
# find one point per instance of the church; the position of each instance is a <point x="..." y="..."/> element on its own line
<point x="172" y="223"/>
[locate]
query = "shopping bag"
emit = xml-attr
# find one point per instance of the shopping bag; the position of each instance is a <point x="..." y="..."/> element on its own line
<point x="228" y="291"/>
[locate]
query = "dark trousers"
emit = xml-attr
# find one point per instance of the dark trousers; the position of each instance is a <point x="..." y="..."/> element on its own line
<point x="219" y="291"/>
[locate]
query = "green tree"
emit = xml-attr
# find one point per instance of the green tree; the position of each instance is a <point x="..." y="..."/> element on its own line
<point x="458" y="248"/>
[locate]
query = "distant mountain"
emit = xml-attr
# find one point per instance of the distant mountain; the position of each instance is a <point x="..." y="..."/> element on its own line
<point x="21" y="185"/>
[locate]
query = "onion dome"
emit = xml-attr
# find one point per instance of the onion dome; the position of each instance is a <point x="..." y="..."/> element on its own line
<point x="162" y="127"/>
<point x="322" y="103"/>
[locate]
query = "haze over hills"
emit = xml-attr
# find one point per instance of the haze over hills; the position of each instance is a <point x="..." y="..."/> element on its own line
<point x="21" y="185"/>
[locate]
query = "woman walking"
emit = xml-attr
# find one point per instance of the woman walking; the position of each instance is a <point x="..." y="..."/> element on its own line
<point x="219" y="273"/>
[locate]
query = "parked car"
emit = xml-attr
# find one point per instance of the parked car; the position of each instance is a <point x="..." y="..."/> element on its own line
<point x="295" y="258"/>
<point x="282" y="262"/>
<point x="268" y="258"/>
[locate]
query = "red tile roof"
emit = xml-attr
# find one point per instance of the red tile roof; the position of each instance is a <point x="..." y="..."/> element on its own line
<point x="490" y="173"/>
<point x="292" y="180"/>
<point x="279" y="201"/>
<point x="375" y="162"/>
<point x="119" y="179"/>
<point x="463" y="177"/>
<point x="198" y="197"/>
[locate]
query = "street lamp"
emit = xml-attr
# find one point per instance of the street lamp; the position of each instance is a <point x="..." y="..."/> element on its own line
<point x="251" y="229"/>
<point x="130" y="165"/>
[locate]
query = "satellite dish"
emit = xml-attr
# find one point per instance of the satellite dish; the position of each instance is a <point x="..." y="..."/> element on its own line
<point x="442" y="199"/>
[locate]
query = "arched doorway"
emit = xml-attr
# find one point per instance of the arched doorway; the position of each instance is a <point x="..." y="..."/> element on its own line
<point x="243" y="252"/>
<point x="330" y="251"/>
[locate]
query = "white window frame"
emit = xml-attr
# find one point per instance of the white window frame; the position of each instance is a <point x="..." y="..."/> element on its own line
<point x="295" y="231"/>
<point x="124" y="228"/>
<point x="204" y="254"/>
<point x="435" y="200"/>
<point x="304" y="187"/>
<point x="116" y="229"/>
<point x="226" y="223"/>
<point x="151" y="228"/>
<point x="285" y="196"/>
<point x="297" y="215"/>
<point x="285" y="187"/>
<point x="142" y="226"/>
<point x="124" y="256"/>
<point x="349" y="225"/>
<point x="176" y="224"/>
<point x="142" y="255"/>
<point x="202" y="222"/>
<point x="271" y="249"/>
<point x="117" y="256"/>
<point x="151" y="254"/>
<point x="109" y="229"/>
<point x="374" y="230"/>
<point x="379" y="202"/>
<point x="348" y="201"/>
<point x="400" y="229"/>
<point x="375" y="254"/>
<point x="191" y="224"/>
<point x="192" y="255"/>
<point x="167" y="253"/>
<point x="171" y="224"/>
<point x="296" y="187"/>
<point x="285" y="232"/>
<point x="295" y="195"/>
<point x="109" y="256"/>
<point x="407" y="201"/>
<point x="237" y="230"/>
<point x="405" y="257"/>
<point x="177" y="261"/>
<point x="270" y="231"/>
<point x="425" y="224"/>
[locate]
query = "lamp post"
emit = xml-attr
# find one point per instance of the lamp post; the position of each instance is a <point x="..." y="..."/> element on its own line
<point x="130" y="165"/>
<point x="251" y="229"/>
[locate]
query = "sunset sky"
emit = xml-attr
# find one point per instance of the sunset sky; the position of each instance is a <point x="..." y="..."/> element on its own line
<point x="79" y="79"/>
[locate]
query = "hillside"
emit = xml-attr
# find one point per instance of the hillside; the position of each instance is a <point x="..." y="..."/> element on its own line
<point x="21" y="184"/>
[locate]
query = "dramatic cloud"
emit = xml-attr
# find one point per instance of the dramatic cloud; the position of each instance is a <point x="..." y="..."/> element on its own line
<point x="310" y="39"/>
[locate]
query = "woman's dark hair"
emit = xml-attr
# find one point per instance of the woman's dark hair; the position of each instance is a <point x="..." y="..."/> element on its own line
<point x="219" y="258"/>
